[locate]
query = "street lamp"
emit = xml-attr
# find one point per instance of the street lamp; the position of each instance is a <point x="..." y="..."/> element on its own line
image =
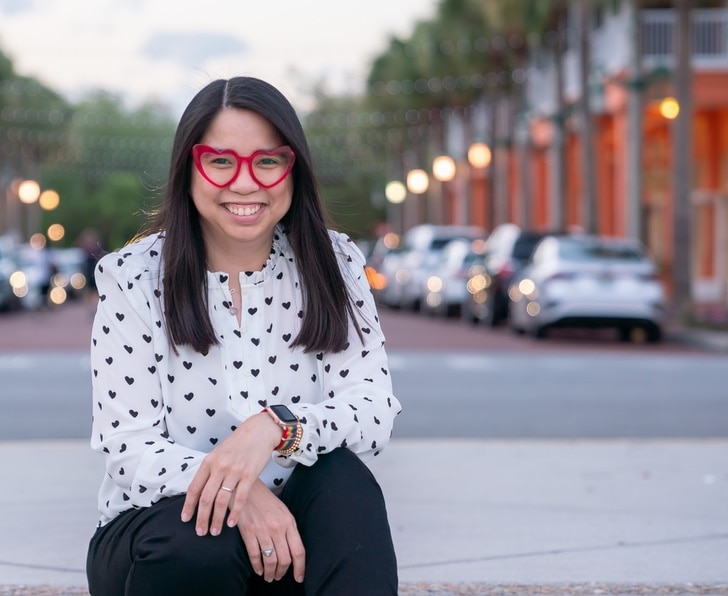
<point x="479" y="158"/>
<point x="669" y="108"/>
<point x="49" y="200"/>
<point x="444" y="171"/>
<point x="28" y="191"/>
<point x="479" y="155"/>
<point x="443" y="168"/>
<point x="395" y="192"/>
<point x="418" y="181"/>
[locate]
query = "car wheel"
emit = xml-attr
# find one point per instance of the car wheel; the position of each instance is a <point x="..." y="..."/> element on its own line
<point x="491" y="318"/>
<point x="518" y="330"/>
<point x="540" y="331"/>
<point x="468" y="316"/>
<point x="654" y="334"/>
<point x="625" y="334"/>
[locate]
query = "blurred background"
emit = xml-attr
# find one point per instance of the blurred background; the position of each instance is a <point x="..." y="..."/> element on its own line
<point x="540" y="189"/>
<point x="606" y="118"/>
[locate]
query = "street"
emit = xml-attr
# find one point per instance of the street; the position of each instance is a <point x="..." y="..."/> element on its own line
<point x="573" y="461"/>
<point x="453" y="381"/>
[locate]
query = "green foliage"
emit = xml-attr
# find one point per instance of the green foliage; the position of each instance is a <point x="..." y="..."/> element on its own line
<point x="7" y="70"/>
<point x="116" y="165"/>
<point x="348" y="154"/>
<point x="106" y="162"/>
<point x="113" y="209"/>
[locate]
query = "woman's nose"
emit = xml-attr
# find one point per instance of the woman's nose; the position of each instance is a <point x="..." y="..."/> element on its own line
<point x="244" y="181"/>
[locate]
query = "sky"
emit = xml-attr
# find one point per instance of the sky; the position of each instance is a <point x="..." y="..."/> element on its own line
<point x="166" y="50"/>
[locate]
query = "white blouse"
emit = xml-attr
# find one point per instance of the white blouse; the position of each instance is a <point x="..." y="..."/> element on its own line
<point x="157" y="413"/>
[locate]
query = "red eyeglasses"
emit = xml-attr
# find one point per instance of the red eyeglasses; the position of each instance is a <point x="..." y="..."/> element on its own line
<point x="221" y="167"/>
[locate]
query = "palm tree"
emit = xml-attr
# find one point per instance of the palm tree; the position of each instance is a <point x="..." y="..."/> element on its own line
<point x="588" y="179"/>
<point x="682" y="161"/>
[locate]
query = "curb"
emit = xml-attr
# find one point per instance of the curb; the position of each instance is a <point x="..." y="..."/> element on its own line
<point x="451" y="589"/>
<point x="714" y="341"/>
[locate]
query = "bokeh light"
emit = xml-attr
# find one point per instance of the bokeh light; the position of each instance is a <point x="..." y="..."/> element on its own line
<point x="57" y="295"/>
<point x="418" y="181"/>
<point x="49" y="200"/>
<point x="391" y="240"/>
<point x="28" y="191"/>
<point x="443" y="168"/>
<point x="395" y="191"/>
<point x="37" y="241"/>
<point x="479" y="155"/>
<point x="56" y="232"/>
<point x="669" y="108"/>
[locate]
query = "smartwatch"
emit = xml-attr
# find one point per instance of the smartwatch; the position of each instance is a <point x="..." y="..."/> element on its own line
<point x="290" y="425"/>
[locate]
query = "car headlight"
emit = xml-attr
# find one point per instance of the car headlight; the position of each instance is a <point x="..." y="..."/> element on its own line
<point x="434" y="283"/>
<point x="18" y="280"/>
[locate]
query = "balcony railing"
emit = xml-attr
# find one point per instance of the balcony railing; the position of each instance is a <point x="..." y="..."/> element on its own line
<point x="709" y="37"/>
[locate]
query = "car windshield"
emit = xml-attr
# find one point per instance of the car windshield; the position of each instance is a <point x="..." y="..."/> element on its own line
<point x="573" y="250"/>
<point x="524" y="246"/>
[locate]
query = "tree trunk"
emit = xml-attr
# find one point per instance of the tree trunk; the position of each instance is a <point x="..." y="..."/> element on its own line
<point x="588" y="182"/>
<point x="682" y="163"/>
<point x="633" y="211"/>
<point x="558" y="151"/>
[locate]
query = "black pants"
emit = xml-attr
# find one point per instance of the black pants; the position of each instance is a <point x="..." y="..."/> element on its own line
<point x="341" y="516"/>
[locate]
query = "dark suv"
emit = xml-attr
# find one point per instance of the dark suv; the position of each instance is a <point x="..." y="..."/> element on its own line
<point x="507" y="250"/>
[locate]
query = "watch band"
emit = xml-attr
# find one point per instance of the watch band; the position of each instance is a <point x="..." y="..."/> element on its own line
<point x="292" y="432"/>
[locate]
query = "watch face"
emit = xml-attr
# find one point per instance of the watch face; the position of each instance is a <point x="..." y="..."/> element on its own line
<point x="284" y="414"/>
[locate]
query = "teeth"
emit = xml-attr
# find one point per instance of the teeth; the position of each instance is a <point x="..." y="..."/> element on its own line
<point x="237" y="210"/>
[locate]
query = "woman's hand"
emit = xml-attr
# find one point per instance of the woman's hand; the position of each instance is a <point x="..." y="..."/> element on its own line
<point x="228" y="472"/>
<point x="266" y="525"/>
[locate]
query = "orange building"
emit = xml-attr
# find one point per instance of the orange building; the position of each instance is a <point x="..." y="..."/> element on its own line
<point x="650" y="218"/>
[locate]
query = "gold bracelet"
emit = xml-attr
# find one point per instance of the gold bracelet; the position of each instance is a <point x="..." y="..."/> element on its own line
<point x="293" y="447"/>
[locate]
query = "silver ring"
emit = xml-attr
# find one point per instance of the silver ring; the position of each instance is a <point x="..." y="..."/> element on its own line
<point x="267" y="552"/>
<point x="226" y="489"/>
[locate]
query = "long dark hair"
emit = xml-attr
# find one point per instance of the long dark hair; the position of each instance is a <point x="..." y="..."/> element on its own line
<point x="327" y="302"/>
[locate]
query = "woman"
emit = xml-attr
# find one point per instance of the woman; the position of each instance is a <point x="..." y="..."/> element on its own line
<point x="239" y="376"/>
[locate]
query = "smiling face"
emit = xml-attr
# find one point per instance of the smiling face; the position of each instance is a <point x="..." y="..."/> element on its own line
<point x="237" y="220"/>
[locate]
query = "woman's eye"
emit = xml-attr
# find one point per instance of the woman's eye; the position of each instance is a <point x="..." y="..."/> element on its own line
<point x="268" y="161"/>
<point x="219" y="161"/>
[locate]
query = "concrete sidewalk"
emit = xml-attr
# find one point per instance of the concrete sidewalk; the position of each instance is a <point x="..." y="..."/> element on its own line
<point x="468" y="517"/>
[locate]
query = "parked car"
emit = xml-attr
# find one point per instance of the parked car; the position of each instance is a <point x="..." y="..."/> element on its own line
<point x="386" y="245"/>
<point x="407" y="268"/>
<point x="507" y="249"/>
<point x="589" y="281"/>
<point x="446" y="287"/>
<point x="71" y="264"/>
<point x="38" y="269"/>
<point x="8" y="267"/>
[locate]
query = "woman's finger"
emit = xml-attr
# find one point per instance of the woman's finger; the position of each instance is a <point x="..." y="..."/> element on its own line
<point x="271" y="559"/>
<point x="253" y="548"/>
<point x="193" y="493"/>
<point x="204" y="507"/>
<point x="222" y="502"/>
<point x="298" y="554"/>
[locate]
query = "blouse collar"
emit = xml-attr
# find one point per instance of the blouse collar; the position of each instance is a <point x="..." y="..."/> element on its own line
<point x="279" y="250"/>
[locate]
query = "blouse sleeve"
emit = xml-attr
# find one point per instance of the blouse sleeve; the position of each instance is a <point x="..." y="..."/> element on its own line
<point x="129" y="411"/>
<point x="358" y="406"/>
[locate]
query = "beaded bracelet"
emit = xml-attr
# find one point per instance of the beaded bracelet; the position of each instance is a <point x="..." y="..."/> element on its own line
<point x="290" y="442"/>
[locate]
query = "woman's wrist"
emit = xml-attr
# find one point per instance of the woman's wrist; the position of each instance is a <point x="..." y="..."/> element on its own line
<point x="290" y="428"/>
<point x="290" y="440"/>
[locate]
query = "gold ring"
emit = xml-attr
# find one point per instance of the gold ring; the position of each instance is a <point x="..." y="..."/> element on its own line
<point x="226" y="489"/>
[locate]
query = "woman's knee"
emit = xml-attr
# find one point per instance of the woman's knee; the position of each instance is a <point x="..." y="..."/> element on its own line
<point x="340" y="473"/>
<point x="153" y="552"/>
